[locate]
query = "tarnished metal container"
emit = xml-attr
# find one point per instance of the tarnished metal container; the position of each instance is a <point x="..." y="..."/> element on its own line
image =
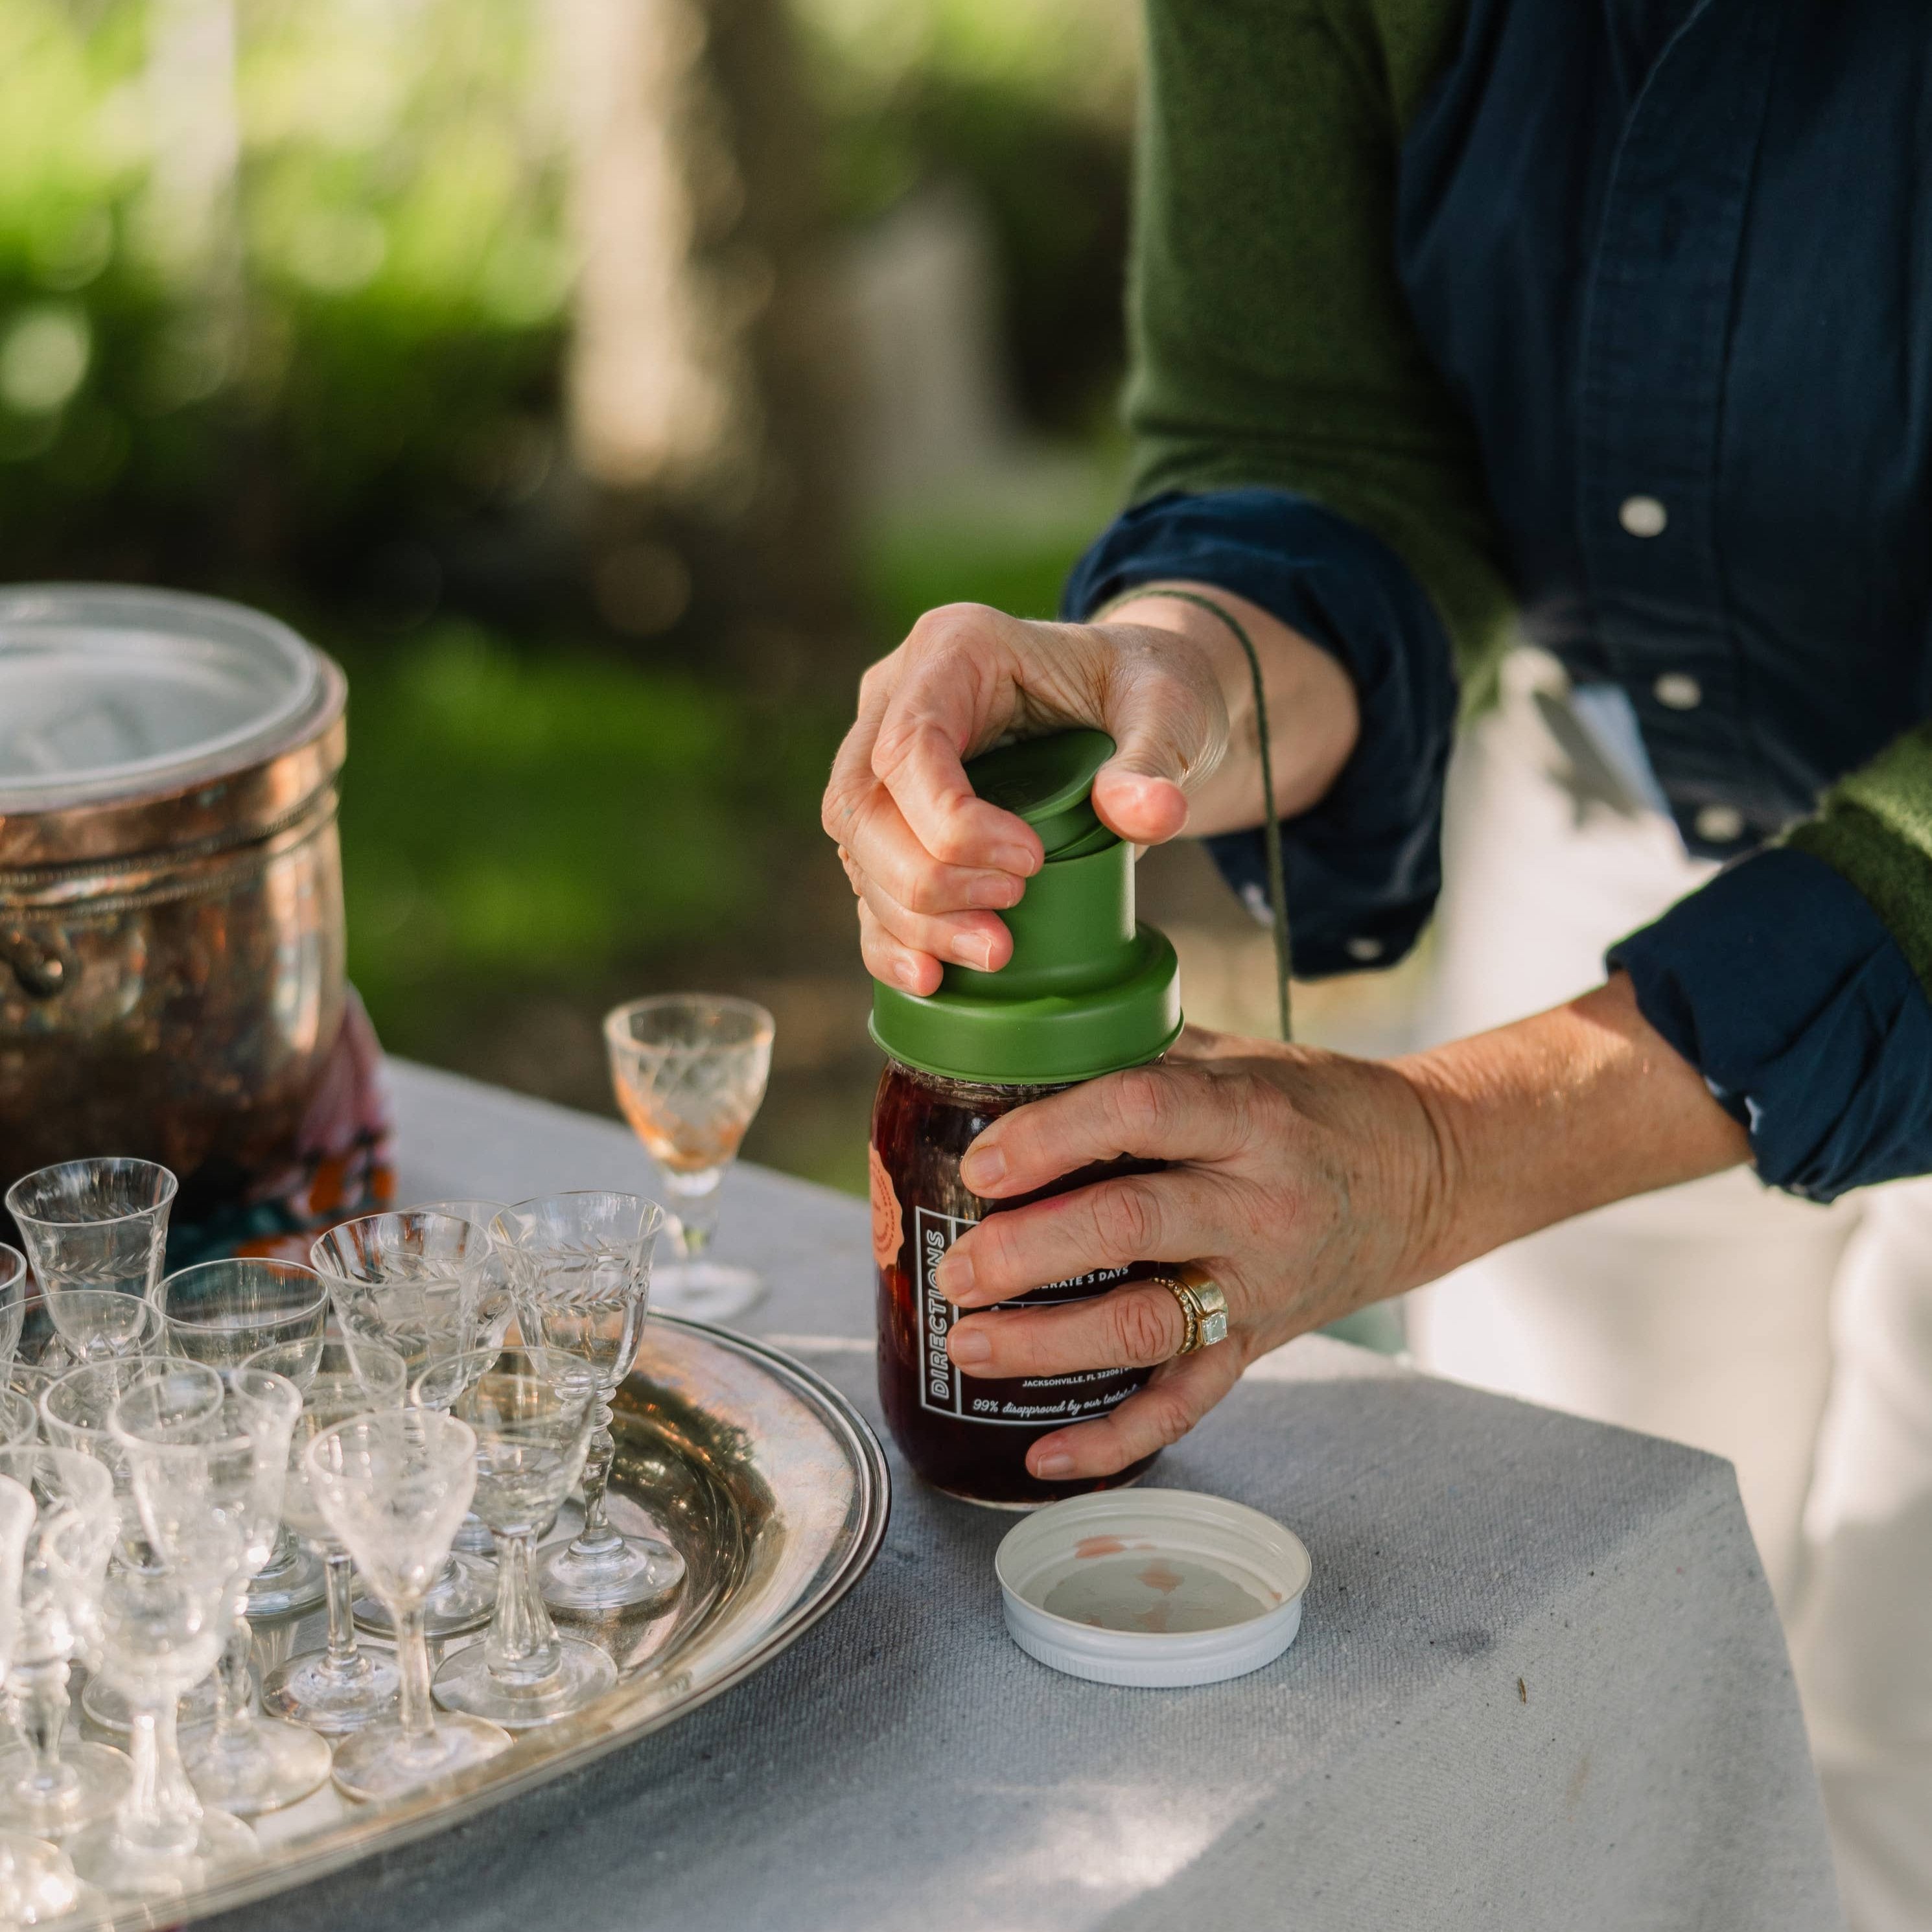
<point x="171" y="926"/>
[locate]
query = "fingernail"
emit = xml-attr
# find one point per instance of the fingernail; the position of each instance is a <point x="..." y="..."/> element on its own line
<point x="953" y="1277"/>
<point x="903" y="973"/>
<point x="1054" y="1462"/>
<point x="975" y="952"/>
<point x="968" y="1348"/>
<point x="1017" y="859"/>
<point x="985" y="1167"/>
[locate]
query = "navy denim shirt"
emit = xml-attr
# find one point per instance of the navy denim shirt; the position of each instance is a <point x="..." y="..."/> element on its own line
<point x="1675" y="258"/>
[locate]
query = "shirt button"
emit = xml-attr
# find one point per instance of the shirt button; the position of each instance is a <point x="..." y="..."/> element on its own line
<point x="1643" y="516"/>
<point x="1719" y="824"/>
<point x="1364" y="948"/>
<point x="1679" y="690"/>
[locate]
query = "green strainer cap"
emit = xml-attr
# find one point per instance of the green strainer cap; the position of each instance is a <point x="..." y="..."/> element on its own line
<point x="1088" y="991"/>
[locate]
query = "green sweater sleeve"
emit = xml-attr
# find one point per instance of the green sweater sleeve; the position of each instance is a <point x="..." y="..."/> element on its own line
<point x="1875" y="827"/>
<point x="1271" y="342"/>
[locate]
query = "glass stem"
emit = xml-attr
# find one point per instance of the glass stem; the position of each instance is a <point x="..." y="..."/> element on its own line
<point x="37" y="1703"/>
<point x="597" y="1536"/>
<point x="161" y="1812"/>
<point x="522" y="1644"/>
<point x="696" y="1195"/>
<point x="417" y="1719"/>
<point x="235" y="1698"/>
<point x="346" y="1660"/>
<point x="282" y="1558"/>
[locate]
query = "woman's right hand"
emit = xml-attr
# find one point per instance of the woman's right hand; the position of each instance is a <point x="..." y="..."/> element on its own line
<point x="933" y="866"/>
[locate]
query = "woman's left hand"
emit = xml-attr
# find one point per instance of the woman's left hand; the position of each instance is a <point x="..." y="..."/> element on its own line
<point x="1304" y="1182"/>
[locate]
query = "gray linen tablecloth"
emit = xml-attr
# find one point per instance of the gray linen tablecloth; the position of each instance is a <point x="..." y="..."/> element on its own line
<point x="1539" y="1685"/>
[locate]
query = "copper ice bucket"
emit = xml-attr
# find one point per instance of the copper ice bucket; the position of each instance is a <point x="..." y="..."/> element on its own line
<point x="171" y="927"/>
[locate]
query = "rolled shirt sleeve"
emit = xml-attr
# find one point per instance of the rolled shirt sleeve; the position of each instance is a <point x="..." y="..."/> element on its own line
<point x="1782" y="985"/>
<point x="1364" y="866"/>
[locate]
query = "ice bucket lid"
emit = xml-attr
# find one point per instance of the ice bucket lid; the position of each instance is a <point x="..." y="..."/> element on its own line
<point x="132" y="720"/>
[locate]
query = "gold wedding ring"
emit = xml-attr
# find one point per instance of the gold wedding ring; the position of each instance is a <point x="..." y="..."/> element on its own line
<point x="1203" y="1307"/>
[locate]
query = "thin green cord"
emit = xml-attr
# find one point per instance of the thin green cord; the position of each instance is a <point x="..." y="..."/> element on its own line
<point x="1284" y="950"/>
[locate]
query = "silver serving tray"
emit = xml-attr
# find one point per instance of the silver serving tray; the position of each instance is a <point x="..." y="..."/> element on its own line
<point x="775" y="1490"/>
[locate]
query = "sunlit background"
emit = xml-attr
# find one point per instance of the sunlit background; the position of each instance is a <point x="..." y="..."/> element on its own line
<point x="604" y="382"/>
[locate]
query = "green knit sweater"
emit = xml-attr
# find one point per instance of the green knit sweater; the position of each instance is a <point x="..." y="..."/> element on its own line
<point x="1272" y="345"/>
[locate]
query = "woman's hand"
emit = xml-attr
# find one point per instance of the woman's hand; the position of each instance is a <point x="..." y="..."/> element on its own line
<point x="1306" y="1183"/>
<point x="934" y="866"/>
<point x="1299" y="1180"/>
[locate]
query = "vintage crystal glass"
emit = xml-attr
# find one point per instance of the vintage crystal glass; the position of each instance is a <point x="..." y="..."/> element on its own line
<point x="76" y="1413"/>
<point x="97" y="1225"/>
<point x="493" y="1303"/>
<point x="220" y="1313"/>
<point x="393" y="1487"/>
<point x="13" y="1303"/>
<point x="159" y="1625"/>
<point x="531" y="1416"/>
<point x="189" y="1466"/>
<point x="37" y="1883"/>
<point x="584" y="1280"/>
<point x="689" y="1071"/>
<point x="409" y="1280"/>
<point x="341" y="1687"/>
<point x="99" y="1324"/>
<point x="18" y="1421"/>
<point x="50" y="1785"/>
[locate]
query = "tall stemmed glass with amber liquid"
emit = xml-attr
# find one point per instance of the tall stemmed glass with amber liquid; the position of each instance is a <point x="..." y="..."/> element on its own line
<point x="690" y="1069"/>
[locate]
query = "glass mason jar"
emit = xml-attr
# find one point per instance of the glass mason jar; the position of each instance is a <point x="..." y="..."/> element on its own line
<point x="963" y="1434"/>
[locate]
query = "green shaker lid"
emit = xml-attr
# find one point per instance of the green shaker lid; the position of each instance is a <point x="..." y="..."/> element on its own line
<point x="1088" y="991"/>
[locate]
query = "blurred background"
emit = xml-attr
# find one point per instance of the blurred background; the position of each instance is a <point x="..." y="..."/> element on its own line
<point x="605" y="382"/>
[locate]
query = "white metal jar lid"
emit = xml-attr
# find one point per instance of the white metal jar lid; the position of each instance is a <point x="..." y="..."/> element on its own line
<point x="107" y="693"/>
<point x="1159" y="1587"/>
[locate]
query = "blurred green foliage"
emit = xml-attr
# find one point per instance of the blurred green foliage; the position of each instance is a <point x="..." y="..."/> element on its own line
<point x="516" y="815"/>
<point x="1030" y="101"/>
<point x="356" y="343"/>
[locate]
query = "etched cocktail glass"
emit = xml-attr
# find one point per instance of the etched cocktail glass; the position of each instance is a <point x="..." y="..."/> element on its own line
<point x="689" y="1071"/>
<point x="37" y="1883"/>
<point x="219" y="1313"/>
<point x="341" y="1687"/>
<point x="393" y="1487"/>
<point x="98" y="1226"/>
<point x="531" y="1415"/>
<point x="583" y="1281"/>
<point x="188" y="1463"/>
<point x="411" y="1280"/>
<point x="51" y="1785"/>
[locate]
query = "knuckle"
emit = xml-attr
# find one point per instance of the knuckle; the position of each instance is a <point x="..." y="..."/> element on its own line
<point x="1142" y="1102"/>
<point x="1140" y="1329"/>
<point x="1167" y="1416"/>
<point x="1129" y="1214"/>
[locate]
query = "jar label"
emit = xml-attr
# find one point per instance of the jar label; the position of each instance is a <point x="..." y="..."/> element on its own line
<point x="1043" y="1401"/>
<point x="888" y="1224"/>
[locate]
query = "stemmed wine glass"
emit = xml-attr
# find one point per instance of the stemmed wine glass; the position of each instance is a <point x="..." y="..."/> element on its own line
<point x="409" y="1280"/>
<point x="341" y="1687"/>
<point x="51" y="1785"/>
<point x="93" y="1229"/>
<point x="76" y="1413"/>
<point x="689" y="1071"/>
<point x="583" y="1279"/>
<point x="37" y="1883"/>
<point x="492" y="1303"/>
<point x="393" y="1486"/>
<point x="219" y="1313"/>
<point x="158" y="1626"/>
<point x="531" y="1416"/>
<point x="200" y="1444"/>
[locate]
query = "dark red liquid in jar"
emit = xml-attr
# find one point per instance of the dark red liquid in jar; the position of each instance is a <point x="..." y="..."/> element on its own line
<point x="966" y="1434"/>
